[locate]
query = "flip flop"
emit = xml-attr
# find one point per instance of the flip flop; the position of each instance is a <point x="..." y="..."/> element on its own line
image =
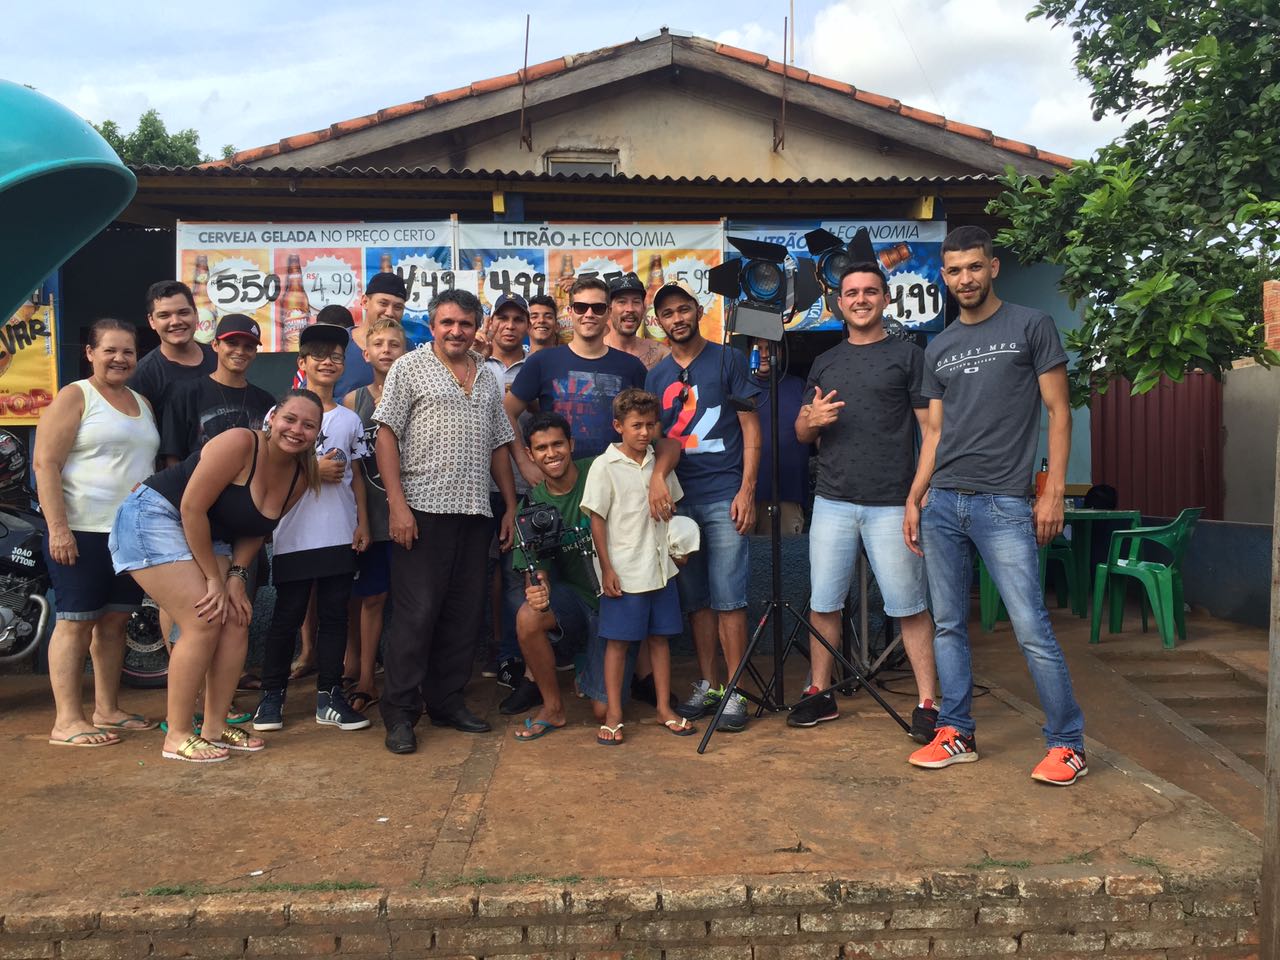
<point x="680" y="728"/>
<point x="188" y="749"/>
<point x="529" y="724"/>
<point x="197" y="722"/>
<point x="75" y="740"/>
<point x="235" y="718"/>
<point x="366" y="700"/>
<point x="614" y="731"/>
<point x="135" y="721"/>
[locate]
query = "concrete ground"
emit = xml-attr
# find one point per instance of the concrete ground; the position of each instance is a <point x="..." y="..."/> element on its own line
<point x="319" y="804"/>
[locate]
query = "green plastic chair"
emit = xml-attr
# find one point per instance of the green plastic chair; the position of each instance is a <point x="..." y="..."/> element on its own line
<point x="991" y="607"/>
<point x="1162" y="582"/>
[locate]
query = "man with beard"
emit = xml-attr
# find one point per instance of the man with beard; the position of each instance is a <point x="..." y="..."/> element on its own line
<point x="986" y="376"/>
<point x="702" y="387"/>
<point x="626" y="317"/>
<point x="864" y="402"/>
<point x="445" y="435"/>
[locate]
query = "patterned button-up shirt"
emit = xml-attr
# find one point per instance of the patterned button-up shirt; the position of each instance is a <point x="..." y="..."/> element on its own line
<point x="446" y="437"/>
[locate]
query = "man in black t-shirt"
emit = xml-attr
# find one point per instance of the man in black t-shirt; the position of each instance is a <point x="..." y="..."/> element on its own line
<point x="171" y="312"/>
<point x="863" y="403"/>
<point x="200" y="409"/>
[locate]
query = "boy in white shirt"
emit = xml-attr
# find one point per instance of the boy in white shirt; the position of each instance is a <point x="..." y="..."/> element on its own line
<point x="636" y="571"/>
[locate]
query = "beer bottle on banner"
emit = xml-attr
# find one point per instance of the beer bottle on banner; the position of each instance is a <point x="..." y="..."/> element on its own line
<point x="384" y="264"/>
<point x="652" y="330"/>
<point x="477" y="264"/>
<point x="293" y="309"/>
<point x="890" y="257"/>
<point x="568" y="270"/>
<point x="206" y="312"/>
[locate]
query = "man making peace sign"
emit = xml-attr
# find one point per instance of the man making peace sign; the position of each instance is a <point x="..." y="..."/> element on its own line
<point x="862" y="394"/>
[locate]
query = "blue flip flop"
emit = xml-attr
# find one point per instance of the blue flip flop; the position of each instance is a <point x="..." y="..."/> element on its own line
<point x="529" y="724"/>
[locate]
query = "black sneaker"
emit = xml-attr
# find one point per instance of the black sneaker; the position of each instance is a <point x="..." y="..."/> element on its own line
<point x="643" y="690"/>
<point x="332" y="710"/>
<point x="270" y="712"/>
<point x="564" y="658"/>
<point x="510" y="672"/>
<point x="521" y="700"/>
<point x="924" y="721"/>
<point x="810" y="713"/>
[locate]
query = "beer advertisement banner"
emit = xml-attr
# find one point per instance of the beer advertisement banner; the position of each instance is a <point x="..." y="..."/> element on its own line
<point x="544" y="258"/>
<point x="29" y="358"/>
<point x="283" y="274"/>
<point x="909" y="251"/>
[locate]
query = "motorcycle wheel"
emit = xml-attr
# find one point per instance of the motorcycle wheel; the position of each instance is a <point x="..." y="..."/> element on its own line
<point x="146" y="661"/>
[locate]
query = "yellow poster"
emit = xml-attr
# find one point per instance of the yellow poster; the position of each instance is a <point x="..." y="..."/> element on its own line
<point x="29" y="360"/>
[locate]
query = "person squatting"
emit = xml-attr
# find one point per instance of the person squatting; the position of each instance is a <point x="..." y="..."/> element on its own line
<point x="601" y="490"/>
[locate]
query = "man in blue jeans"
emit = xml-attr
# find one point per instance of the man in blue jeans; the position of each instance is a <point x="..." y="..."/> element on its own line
<point x="985" y="377"/>
<point x="703" y="387"/>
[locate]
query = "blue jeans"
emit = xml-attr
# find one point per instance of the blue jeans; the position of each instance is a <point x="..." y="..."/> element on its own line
<point x="952" y="524"/>
<point x="716" y="575"/>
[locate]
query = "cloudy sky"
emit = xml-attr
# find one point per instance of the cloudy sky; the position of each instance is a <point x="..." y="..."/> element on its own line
<point x="243" y="77"/>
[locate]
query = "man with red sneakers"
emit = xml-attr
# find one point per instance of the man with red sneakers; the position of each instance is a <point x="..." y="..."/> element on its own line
<point x="863" y="401"/>
<point x="985" y="377"/>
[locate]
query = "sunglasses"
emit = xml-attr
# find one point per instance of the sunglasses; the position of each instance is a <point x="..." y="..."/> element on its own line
<point x="683" y="380"/>
<point x="581" y="307"/>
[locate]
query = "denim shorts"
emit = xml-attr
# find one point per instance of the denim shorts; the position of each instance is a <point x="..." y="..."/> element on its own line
<point x="88" y="588"/>
<point x="577" y="634"/>
<point x="373" y="570"/>
<point x="148" y="533"/>
<point x="637" y="616"/>
<point x="835" y="535"/>
<point x="716" y="575"/>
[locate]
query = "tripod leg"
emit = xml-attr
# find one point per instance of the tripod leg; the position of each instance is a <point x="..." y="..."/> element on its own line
<point x="770" y="612"/>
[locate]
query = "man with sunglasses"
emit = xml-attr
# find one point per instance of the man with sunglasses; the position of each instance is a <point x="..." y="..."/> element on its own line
<point x="708" y="399"/>
<point x="578" y="380"/>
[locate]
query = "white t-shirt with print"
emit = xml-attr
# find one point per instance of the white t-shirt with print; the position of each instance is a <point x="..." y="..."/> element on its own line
<point x="327" y="518"/>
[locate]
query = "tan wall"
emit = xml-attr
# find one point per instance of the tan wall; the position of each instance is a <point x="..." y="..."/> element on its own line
<point x="1250" y="416"/>
<point x="682" y="131"/>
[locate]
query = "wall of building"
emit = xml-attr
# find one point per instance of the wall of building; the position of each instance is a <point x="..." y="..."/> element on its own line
<point x="1250" y="420"/>
<point x="678" y="128"/>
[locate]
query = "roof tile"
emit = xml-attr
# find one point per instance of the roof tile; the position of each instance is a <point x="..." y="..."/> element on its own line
<point x="547" y="68"/>
<point x="746" y="56"/>
<point x="354" y="124"/>
<point x="1014" y="146"/>
<point x="876" y="100"/>
<point x="401" y="110"/>
<point x="495" y="83"/>
<point x="1056" y="159"/>
<point x="968" y="130"/>
<point x="838" y="86"/>
<point x="924" y="116"/>
<point x="257" y="153"/>
<point x="795" y="73"/>
<point x="446" y="96"/>
<point x="298" y="141"/>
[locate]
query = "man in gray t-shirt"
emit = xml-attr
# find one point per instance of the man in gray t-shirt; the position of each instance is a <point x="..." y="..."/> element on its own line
<point x="986" y="376"/>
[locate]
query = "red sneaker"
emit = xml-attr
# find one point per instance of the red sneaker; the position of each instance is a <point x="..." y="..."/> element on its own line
<point x="1062" y="766"/>
<point x="949" y="746"/>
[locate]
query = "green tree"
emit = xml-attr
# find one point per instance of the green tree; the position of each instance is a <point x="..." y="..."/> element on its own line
<point x="1166" y="232"/>
<point x="151" y="143"/>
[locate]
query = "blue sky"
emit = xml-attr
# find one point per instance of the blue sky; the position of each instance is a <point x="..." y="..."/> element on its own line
<point x="242" y="76"/>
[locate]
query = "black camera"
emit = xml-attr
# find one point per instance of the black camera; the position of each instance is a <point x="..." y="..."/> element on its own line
<point x="540" y="534"/>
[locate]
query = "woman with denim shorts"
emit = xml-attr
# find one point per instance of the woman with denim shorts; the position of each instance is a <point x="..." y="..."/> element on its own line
<point x="97" y="439"/>
<point x="187" y="535"/>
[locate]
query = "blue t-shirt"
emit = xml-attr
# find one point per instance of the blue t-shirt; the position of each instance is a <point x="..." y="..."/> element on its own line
<point x="700" y="415"/>
<point x="793" y="456"/>
<point x="579" y="389"/>
<point x="356" y="372"/>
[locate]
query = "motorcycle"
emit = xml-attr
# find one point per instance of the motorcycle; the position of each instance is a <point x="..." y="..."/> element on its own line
<point x="26" y="610"/>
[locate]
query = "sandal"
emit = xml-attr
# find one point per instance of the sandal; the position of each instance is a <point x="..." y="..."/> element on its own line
<point x="613" y="731"/>
<point x="236" y="739"/>
<point x="680" y="728"/>
<point x="134" y="721"/>
<point x="530" y="724"/>
<point x="78" y="739"/>
<point x="190" y="747"/>
<point x="361" y="701"/>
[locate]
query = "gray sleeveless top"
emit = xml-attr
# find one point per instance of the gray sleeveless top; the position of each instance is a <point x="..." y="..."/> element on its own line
<point x="379" y="528"/>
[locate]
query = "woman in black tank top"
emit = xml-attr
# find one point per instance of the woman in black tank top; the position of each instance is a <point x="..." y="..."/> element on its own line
<point x="174" y="534"/>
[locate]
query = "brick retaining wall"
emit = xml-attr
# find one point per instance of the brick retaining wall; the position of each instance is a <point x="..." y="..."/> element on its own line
<point x="1050" y="913"/>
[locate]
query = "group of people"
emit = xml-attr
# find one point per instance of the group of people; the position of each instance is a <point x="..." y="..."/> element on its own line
<point x="405" y="481"/>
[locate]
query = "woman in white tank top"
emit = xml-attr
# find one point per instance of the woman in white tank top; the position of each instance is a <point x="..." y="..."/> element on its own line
<point x="94" y="443"/>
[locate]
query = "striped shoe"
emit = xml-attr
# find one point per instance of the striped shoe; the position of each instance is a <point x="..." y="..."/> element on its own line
<point x="332" y="710"/>
<point x="949" y="746"/>
<point x="1062" y="766"/>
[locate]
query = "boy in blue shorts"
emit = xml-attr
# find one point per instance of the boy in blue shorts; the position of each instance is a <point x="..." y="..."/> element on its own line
<point x="636" y="570"/>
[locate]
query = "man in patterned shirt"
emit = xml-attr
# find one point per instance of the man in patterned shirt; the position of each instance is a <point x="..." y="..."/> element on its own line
<point x="443" y="433"/>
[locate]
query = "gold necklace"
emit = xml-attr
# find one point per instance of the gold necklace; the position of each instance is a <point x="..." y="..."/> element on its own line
<point x="471" y="369"/>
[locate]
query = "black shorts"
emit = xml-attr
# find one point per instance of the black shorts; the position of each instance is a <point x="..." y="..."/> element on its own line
<point x="90" y="587"/>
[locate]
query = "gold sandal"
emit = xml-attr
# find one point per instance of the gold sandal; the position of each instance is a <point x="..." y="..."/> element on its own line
<point x="190" y="747"/>
<point x="236" y="739"/>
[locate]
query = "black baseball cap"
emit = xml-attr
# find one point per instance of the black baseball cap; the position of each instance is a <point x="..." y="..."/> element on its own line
<point x="324" y="333"/>
<point x="391" y="283"/>
<point x="237" y="324"/>
<point x="627" y="283"/>
<point x="336" y="314"/>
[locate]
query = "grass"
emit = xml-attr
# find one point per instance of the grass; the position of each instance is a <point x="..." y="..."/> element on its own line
<point x="1085" y="857"/>
<point x="201" y="889"/>
<point x="1145" y="862"/>
<point x="991" y="863"/>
